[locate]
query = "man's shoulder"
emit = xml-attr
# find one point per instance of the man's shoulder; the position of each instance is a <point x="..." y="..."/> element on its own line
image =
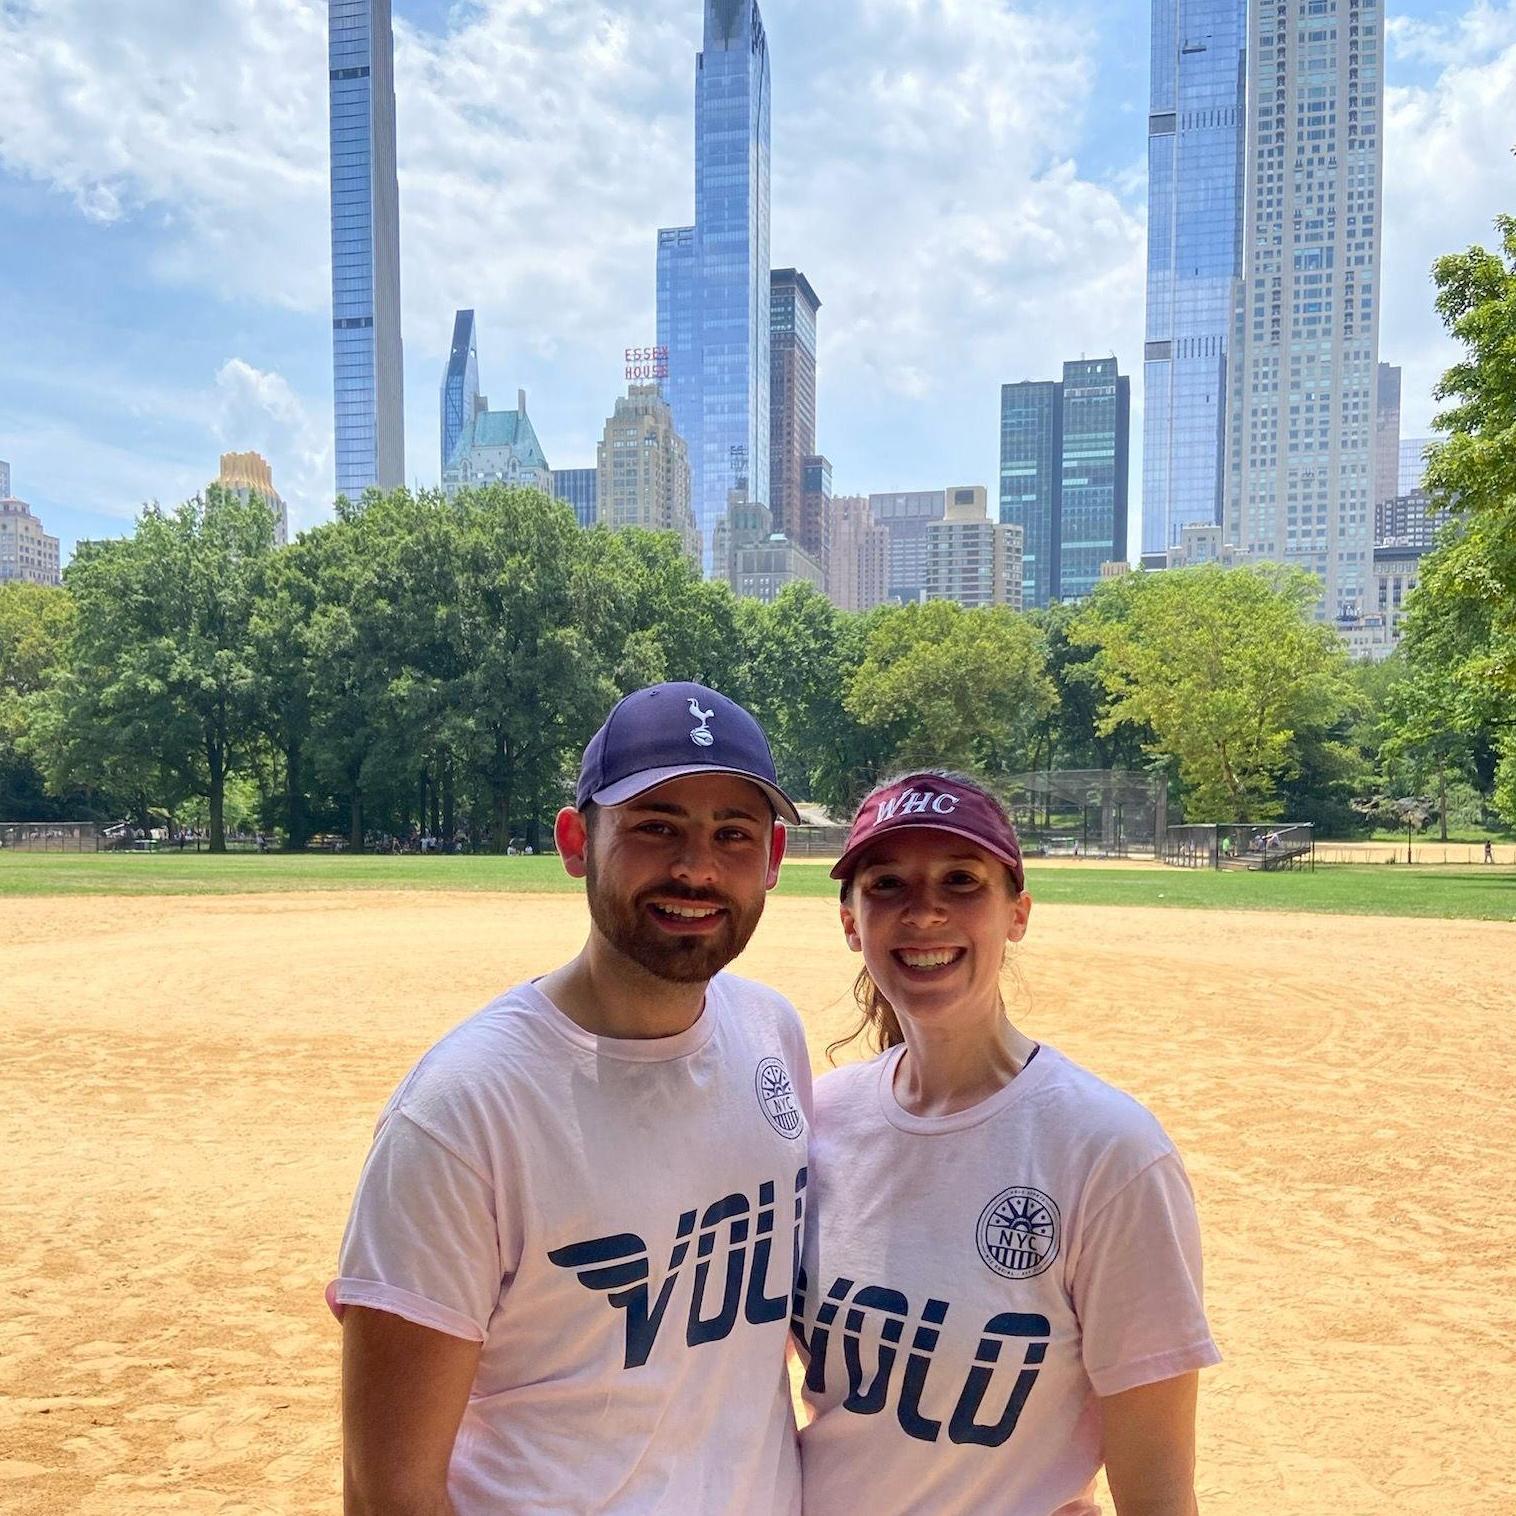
<point x="755" y="1001"/>
<point x="477" y="1064"/>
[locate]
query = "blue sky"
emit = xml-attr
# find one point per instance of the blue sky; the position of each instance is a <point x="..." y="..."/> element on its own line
<point x="962" y="180"/>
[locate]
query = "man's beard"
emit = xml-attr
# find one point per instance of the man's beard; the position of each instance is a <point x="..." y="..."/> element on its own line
<point x="626" y="925"/>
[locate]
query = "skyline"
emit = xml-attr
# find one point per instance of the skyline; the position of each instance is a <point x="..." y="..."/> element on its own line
<point x="137" y="357"/>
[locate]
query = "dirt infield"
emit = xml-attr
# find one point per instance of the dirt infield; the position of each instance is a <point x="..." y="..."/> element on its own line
<point x="187" y="1090"/>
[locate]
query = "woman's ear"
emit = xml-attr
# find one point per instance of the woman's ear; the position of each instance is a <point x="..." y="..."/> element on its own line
<point x="1021" y="911"/>
<point x="850" y="928"/>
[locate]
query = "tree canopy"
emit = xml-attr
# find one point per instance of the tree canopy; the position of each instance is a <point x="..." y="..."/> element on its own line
<point x="1228" y="671"/>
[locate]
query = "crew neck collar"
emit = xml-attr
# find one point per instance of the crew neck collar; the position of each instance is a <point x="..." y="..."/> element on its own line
<point x="629" y="1049"/>
<point x="1020" y="1088"/>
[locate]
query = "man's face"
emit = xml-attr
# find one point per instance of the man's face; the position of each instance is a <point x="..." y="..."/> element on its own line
<point x="676" y="878"/>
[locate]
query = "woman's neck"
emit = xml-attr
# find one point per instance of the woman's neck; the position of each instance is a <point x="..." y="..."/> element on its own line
<point x="949" y="1069"/>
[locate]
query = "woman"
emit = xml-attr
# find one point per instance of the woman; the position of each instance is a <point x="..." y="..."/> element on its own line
<point x="1001" y="1282"/>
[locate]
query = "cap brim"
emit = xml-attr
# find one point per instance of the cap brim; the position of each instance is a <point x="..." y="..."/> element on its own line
<point x="628" y="789"/>
<point x="843" y="868"/>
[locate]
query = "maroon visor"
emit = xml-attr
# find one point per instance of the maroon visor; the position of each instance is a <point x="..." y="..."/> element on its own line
<point x="929" y="802"/>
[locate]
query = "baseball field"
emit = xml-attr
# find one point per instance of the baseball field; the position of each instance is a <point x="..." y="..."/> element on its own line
<point x="191" y="1061"/>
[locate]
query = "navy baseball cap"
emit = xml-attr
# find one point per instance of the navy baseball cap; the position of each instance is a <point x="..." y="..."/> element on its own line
<point x="669" y="731"/>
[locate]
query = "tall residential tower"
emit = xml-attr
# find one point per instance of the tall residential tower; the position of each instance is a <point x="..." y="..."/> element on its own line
<point x="1300" y="444"/>
<point x="461" y="400"/>
<point x="713" y="277"/>
<point x="1196" y="137"/>
<point x="792" y="394"/>
<point x="366" y="352"/>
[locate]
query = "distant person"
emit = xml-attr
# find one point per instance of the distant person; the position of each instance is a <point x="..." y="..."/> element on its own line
<point x="566" y="1284"/>
<point x="1489" y="851"/>
<point x="1002" y="1285"/>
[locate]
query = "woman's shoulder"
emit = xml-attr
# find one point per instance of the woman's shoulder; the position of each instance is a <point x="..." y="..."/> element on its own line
<point x="1101" y="1117"/>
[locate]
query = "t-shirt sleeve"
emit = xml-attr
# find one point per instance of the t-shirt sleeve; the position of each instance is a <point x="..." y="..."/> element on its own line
<point x="1137" y="1283"/>
<point x="423" y="1239"/>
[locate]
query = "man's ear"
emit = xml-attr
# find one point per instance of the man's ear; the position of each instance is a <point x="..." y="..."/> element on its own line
<point x="778" y="841"/>
<point x="850" y="928"/>
<point x="573" y="839"/>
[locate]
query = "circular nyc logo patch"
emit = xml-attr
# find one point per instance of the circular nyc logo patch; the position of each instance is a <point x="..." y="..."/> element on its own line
<point x="1019" y="1232"/>
<point x="776" y="1096"/>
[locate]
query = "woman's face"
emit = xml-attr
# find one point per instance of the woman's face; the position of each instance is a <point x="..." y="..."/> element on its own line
<point x="931" y="913"/>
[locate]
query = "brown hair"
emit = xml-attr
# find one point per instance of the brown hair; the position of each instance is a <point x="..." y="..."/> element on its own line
<point x="880" y="1025"/>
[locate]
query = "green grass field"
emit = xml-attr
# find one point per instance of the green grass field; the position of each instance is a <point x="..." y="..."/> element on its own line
<point x="1472" y="893"/>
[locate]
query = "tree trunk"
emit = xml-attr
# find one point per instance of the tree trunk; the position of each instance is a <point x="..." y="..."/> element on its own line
<point x="421" y="802"/>
<point x="355" y="821"/>
<point x="218" y="799"/>
<point x="449" y="811"/>
<point x="298" y="833"/>
<point x="500" y="796"/>
<point x="500" y="801"/>
<point x="1442" y="795"/>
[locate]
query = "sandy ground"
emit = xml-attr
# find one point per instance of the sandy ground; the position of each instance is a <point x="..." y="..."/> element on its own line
<point x="187" y="1090"/>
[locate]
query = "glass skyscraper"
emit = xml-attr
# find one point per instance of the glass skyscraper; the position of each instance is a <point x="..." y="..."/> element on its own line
<point x="1065" y="456"/>
<point x="1092" y="513"/>
<point x="1031" y="471"/>
<point x="461" y="400"/>
<point x="580" y="488"/>
<point x="366" y="352"/>
<point x="713" y="278"/>
<point x="1303" y="397"/>
<point x="1197" y="127"/>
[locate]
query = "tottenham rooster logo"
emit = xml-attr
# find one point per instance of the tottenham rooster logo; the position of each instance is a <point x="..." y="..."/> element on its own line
<point x="701" y="736"/>
<point x="1019" y="1232"/>
<point x="777" y="1097"/>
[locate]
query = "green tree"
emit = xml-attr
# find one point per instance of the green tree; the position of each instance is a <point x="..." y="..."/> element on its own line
<point x="158" y="700"/>
<point x="662" y="620"/>
<point x="365" y="566"/>
<point x="1475" y="468"/>
<point x="525" y="649"/>
<point x="940" y="685"/>
<point x="1227" y="669"/>
<point x="1072" y="737"/>
<point x="285" y="670"/>
<point x="36" y="631"/>
<point x="1461" y="627"/>
<point x="804" y="656"/>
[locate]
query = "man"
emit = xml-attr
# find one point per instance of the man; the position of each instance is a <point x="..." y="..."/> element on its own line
<point x="565" y="1285"/>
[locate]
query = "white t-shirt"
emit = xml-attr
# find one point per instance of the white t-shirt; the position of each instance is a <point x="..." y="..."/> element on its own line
<point x="972" y="1284"/>
<point x="618" y="1223"/>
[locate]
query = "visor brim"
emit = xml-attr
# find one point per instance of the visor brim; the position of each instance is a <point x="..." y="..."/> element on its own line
<point x="624" y="791"/>
<point x="846" y="865"/>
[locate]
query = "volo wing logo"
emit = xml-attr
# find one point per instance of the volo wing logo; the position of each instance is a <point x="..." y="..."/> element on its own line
<point x="1019" y="1232"/>
<point x="776" y="1095"/>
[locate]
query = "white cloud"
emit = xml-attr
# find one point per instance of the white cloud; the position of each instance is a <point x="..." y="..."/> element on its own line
<point x="1448" y="173"/>
<point x="925" y="178"/>
<point x="208" y="116"/>
<point x="259" y="412"/>
<point x="1481" y="30"/>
